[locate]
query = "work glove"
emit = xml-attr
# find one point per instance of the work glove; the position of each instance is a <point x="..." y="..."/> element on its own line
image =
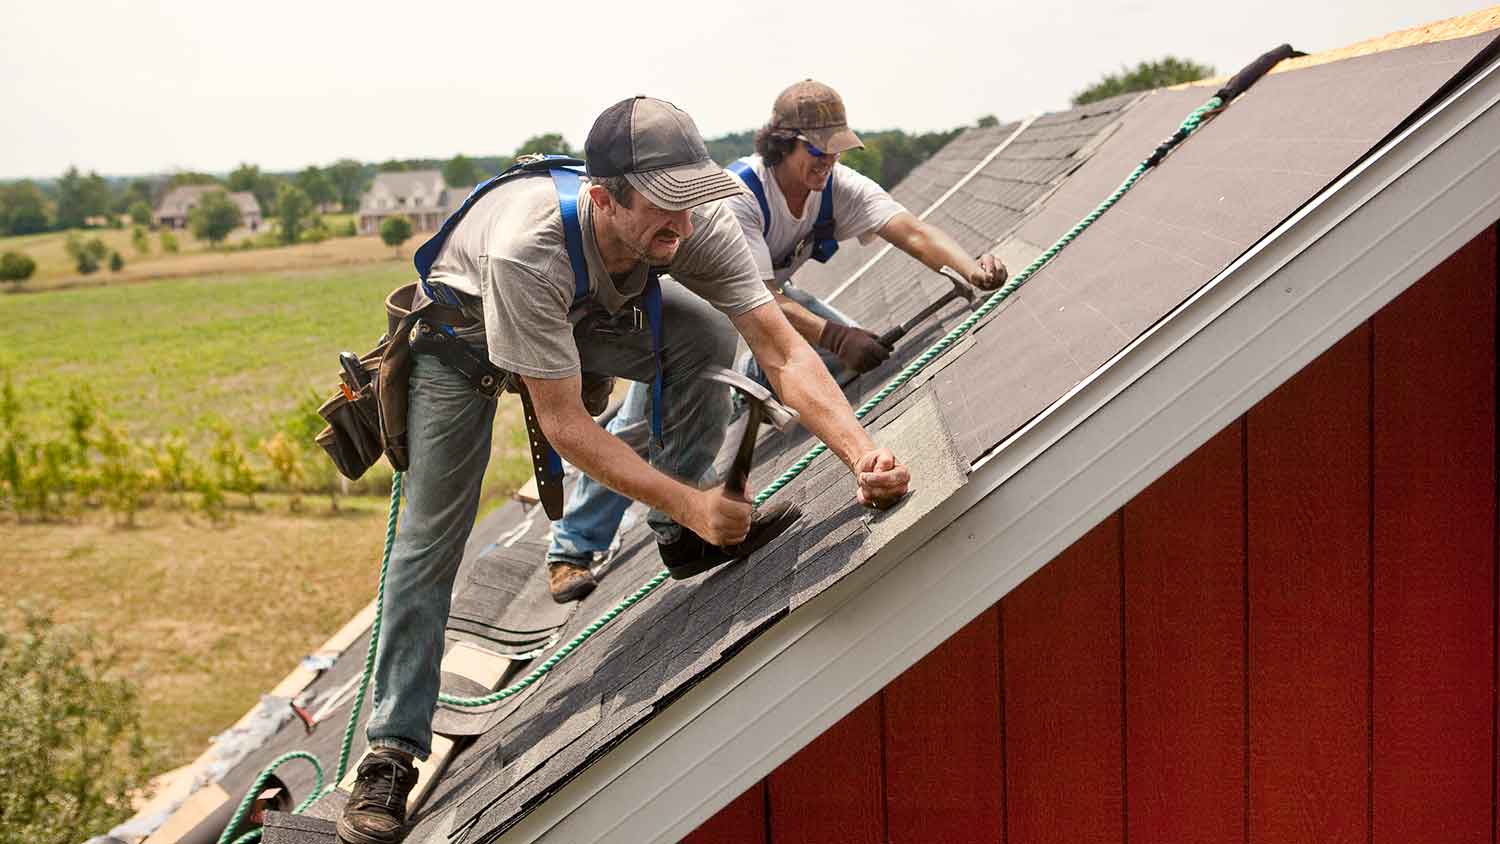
<point x="856" y="348"/>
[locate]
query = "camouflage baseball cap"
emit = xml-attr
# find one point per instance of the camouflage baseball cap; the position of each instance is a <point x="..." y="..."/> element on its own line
<point x="814" y="112"/>
<point x="657" y="148"/>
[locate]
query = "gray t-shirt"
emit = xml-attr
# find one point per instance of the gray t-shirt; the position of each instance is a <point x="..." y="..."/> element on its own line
<point x="861" y="208"/>
<point x="509" y="251"/>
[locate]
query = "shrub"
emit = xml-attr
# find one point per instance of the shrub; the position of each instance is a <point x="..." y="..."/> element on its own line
<point x="122" y="480"/>
<point x="235" y="474"/>
<point x="169" y="243"/>
<point x="140" y="213"/>
<point x="395" y="231"/>
<point x="16" y="267"/>
<point x="70" y="734"/>
<point x="314" y="234"/>
<point x="116" y="263"/>
<point x="139" y="240"/>
<point x="173" y="471"/>
<point x="286" y="461"/>
<point x="86" y="256"/>
<point x="348" y="229"/>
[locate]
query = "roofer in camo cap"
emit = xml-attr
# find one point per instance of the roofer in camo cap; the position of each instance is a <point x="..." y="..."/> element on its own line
<point x="792" y="177"/>
<point x="650" y="202"/>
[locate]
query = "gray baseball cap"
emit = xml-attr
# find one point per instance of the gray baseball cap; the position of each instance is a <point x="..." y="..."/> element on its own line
<point x="657" y="148"/>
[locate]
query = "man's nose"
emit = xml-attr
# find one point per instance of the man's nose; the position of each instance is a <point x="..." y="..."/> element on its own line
<point x="681" y="222"/>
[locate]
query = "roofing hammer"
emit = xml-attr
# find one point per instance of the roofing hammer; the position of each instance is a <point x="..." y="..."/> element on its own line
<point x="762" y="407"/>
<point x="961" y="290"/>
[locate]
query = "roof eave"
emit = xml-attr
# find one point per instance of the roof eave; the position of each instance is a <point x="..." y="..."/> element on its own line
<point x="1332" y="265"/>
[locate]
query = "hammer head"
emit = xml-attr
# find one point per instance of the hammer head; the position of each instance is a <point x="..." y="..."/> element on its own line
<point x="778" y="414"/>
<point x="961" y="287"/>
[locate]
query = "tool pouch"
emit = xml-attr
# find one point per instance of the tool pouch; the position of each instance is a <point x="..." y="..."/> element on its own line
<point x="352" y="438"/>
<point x="364" y="424"/>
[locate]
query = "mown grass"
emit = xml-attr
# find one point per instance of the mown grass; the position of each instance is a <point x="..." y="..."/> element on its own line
<point x="182" y="355"/>
<point x="194" y="258"/>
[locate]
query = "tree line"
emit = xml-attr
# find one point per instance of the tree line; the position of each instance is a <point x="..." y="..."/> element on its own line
<point x="75" y="200"/>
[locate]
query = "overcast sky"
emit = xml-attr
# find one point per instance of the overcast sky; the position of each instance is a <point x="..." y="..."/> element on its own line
<point x="160" y="85"/>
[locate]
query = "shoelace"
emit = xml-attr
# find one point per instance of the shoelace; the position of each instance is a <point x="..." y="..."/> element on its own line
<point x="378" y="790"/>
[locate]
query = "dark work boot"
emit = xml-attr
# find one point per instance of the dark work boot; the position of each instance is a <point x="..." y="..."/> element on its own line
<point x="689" y="555"/>
<point x="568" y="580"/>
<point x="376" y="812"/>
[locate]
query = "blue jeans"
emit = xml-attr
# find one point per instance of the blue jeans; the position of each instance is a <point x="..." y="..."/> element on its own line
<point x="594" y="510"/>
<point x="449" y="434"/>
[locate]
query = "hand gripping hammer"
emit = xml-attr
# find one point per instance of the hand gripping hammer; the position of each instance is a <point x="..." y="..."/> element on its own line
<point x="762" y="407"/>
<point x="961" y="290"/>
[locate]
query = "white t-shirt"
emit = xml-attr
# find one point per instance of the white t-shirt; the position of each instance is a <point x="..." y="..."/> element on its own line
<point x="860" y="209"/>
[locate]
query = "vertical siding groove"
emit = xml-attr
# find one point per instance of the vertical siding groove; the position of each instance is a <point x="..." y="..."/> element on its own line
<point x="1124" y="693"/>
<point x="1495" y="582"/>
<point x="1370" y="608"/>
<point x="885" y="772"/>
<point x="1000" y="716"/>
<point x="1245" y="642"/>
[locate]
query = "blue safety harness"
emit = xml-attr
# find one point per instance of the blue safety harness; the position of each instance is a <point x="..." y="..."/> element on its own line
<point x="823" y="242"/>
<point x="566" y="178"/>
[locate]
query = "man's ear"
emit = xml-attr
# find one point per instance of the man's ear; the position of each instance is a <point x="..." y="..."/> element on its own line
<point x="602" y="201"/>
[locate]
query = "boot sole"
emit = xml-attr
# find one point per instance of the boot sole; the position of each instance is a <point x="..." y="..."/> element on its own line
<point x="772" y="529"/>
<point x="353" y="836"/>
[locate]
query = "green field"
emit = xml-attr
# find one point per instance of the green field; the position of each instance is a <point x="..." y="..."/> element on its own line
<point x="185" y="354"/>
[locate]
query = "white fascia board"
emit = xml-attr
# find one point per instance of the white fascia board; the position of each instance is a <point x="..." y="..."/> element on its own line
<point x="1315" y="278"/>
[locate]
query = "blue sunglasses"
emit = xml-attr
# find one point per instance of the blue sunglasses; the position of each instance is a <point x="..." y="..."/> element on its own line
<point x="811" y="148"/>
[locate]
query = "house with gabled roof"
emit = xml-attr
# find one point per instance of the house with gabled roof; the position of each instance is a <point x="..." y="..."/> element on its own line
<point x="1202" y="543"/>
<point x="173" y="210"/>
<point x="421" y="195"/>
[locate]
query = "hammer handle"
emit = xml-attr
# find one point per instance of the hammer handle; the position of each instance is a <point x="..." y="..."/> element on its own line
<point x="739" y="471"/>
<point x="889" y="338"/>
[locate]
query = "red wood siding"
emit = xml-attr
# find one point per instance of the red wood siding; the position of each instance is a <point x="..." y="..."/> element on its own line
<point x="1289" y="637"/>
<point x="1308" y="660"/>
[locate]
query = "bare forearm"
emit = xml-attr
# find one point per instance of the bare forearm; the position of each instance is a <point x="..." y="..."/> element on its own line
<point x="807" y="323"/>
<point x="936" y="249"/>
<point x="608" y="460"/>
<point x="803" y="382"/>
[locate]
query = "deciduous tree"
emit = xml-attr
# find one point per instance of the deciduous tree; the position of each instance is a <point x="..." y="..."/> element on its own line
<point x="214" y="218"/>
<point x="318" y="187"/>
<point x="349" y="180"/>
<point x="293" y="207"/>
<point x="1145" y="76"/>
<point x="551" y="142"/>
<point x="461" y="171"/>
<point x="23" y="209"/>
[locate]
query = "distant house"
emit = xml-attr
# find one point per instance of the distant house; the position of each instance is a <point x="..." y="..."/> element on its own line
<point x="173" y="211"/>
<point x="419" y="194"/>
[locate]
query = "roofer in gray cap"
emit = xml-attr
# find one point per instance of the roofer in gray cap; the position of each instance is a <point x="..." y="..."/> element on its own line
<point x="798" y="204"/>
<point x="649" y="206"/>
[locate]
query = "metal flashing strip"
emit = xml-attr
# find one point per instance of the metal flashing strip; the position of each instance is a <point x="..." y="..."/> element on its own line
<point x="1358" y="245"/>
<point x="964" y="180"/>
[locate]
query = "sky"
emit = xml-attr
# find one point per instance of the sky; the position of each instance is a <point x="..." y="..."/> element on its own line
<point x="154" y="86"/>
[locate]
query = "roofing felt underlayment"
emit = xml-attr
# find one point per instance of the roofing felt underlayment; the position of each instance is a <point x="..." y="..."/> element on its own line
<point x="1236" y="179"/>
